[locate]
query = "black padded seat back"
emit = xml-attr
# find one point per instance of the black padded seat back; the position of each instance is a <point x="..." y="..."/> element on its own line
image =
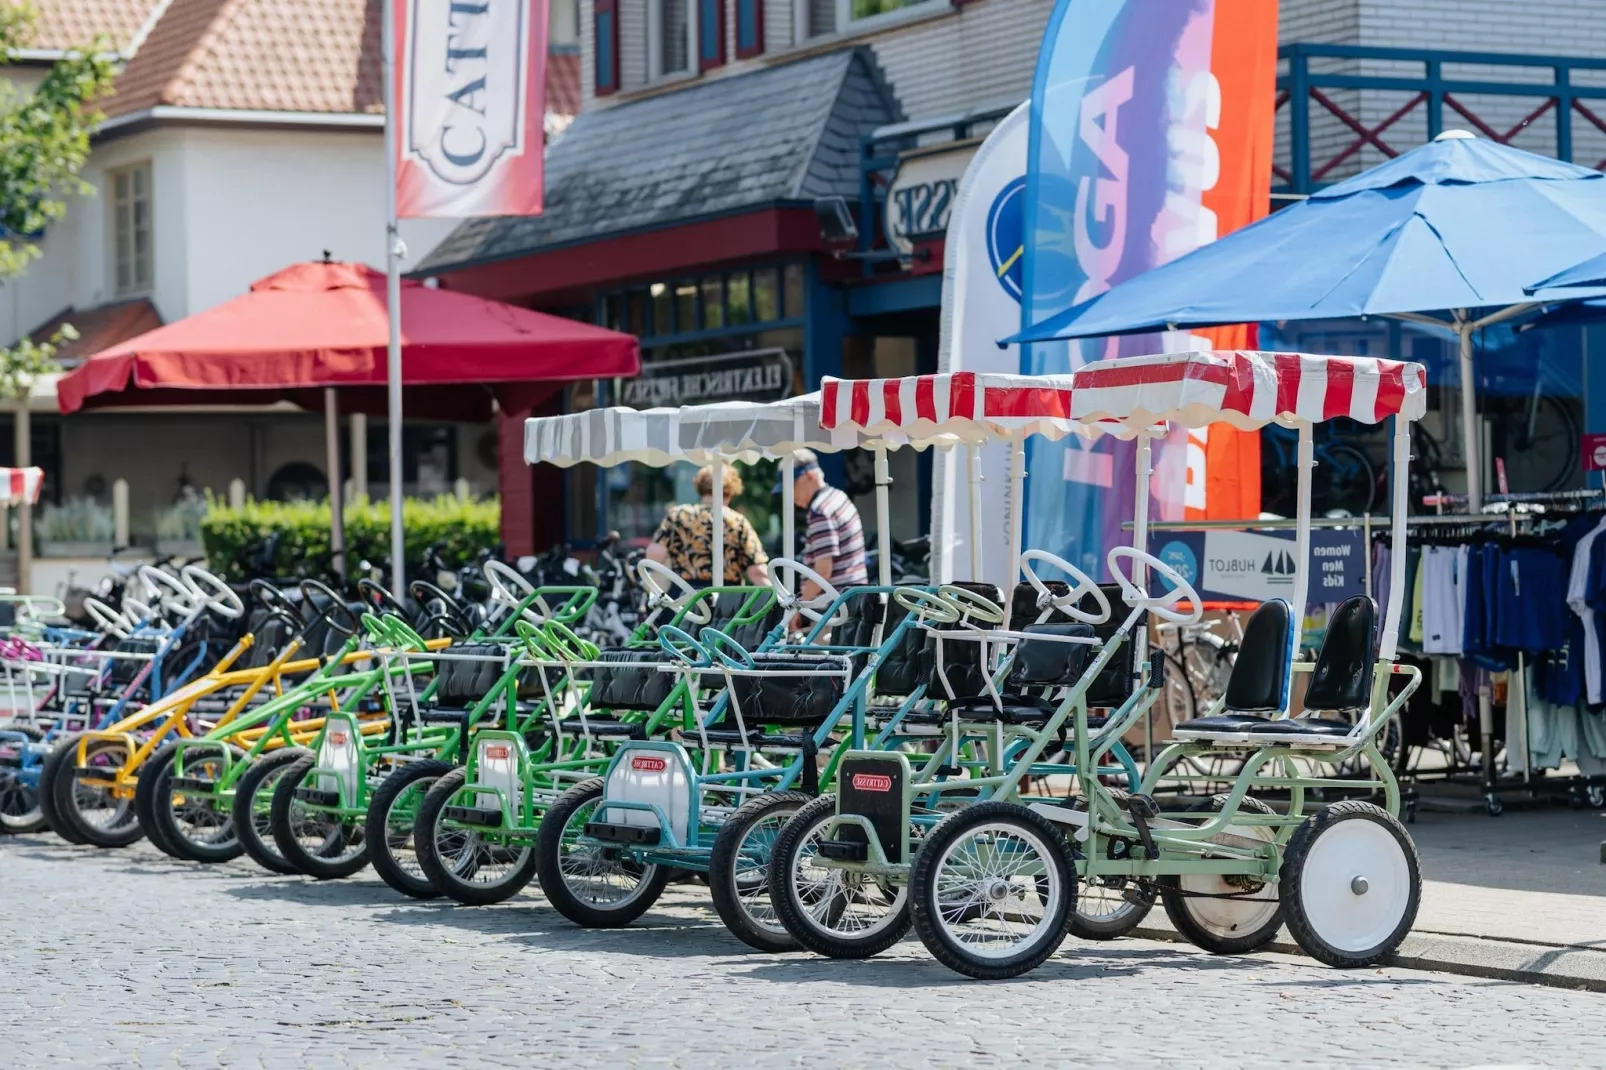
<point x="753" y="633"/>
<point x="901" y="671"/>
<point x="1347" y="661"/>
<point x="863" y="613"/>
<point x="463" y="681"/>
<point x="124" y="670"/>
<point x="962" y="665"/>
<point x="1049" y="663"/>
<point x="803" y="701"/>
<point x="1115" y="682"/>
<point x="630" y="680"/>
<point x="268" y="638"/>
<point x="1259" y="679"/>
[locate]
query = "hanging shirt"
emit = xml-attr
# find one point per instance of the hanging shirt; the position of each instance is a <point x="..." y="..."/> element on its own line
<point x="1529" y="605"/>
<point x="1577" y="601"/>
<point x="1443" y="608"/>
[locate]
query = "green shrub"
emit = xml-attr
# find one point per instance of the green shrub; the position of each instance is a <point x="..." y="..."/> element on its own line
<point x="461" y="529"/>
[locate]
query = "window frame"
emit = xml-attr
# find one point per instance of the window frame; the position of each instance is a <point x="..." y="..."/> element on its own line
<point x="116" y="204"/>
<point x="610" y="10"/>
<point x="656" y="75"/>
<point x="848" y="26"/>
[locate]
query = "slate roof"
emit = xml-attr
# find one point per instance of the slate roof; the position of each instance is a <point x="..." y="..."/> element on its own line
<point x="787" y="133"/>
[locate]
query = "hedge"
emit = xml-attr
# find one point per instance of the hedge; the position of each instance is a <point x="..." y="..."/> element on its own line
<point x="461" y="529"/>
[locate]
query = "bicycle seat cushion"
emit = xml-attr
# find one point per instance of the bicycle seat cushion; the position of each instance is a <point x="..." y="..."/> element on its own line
<point x="1031" y="711"/>
<point x="630" y="680"/>
<point x="1304" y="726"/>
<point x="1231" y="723"/>
<point x="954" y="667"/>
<point x="805" y="700"/>
<point x="603" y="728"/>
<point x="462" y="678"/>
<point x="1342" y="678"/>
<point x="1049" y="663"/>
<point x="1259" y="679"/>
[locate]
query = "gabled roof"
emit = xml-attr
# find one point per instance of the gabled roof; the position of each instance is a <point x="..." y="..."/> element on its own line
<point x="100" y="328"/>
<point x="787" y="133"/>
<point x="64" y="24"/>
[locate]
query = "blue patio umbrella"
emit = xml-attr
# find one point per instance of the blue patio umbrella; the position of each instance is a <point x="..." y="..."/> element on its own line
<point x="1591" y="273"/>
<point x="1450" y="233"/>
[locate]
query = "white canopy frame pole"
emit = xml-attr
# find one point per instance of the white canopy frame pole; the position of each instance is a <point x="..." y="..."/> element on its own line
<point x="1140" y="535"/>
<point x="393" y="361"/>
<point x="1397" y="535"/>
<point x="1017" y="512"/>
<point x="1307" y="466"/>
<point x="883" y="509"/>
<point x="716" y="512"/>
<point x="788" y="513"/>
<point x="337" y="512"/>
<point x="1471" y="439"/>
<point x="974" y="477"/>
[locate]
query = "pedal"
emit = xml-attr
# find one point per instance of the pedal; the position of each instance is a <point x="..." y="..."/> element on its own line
<point x="1134" y="895"/>
<point x="316" y="796"/>
<point x="646" y="835"/>
<point x="844" y="850"/>
<point x="1156" y="670"/>
<point x="188" y="783"/>
<point x="1142" y="806"/>
<point x="474" y="815"/>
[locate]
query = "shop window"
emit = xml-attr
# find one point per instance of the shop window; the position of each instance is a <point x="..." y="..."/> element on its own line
<point x="822" y="17"/>
<point x="738" y="299"/>
<point x="669" y="37"/>
<point x="710" y="34"/>
<point x="663" y="317"/>
<point x="766" y="295"/>
<point x="713" y="303"/>
<point x="794" y="291"/>
<point x="749" y="28"/>
<point x="685" y="307"/>
<point x="605" y="24"/>
<point x="131" y="227"/>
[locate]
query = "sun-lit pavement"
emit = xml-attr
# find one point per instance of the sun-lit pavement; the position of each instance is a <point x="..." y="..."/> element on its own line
<point x="130" y="957"/>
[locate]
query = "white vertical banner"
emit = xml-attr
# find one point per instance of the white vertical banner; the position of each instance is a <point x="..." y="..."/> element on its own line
<point x="471" y="89"/>
<point x="981" y="287"/>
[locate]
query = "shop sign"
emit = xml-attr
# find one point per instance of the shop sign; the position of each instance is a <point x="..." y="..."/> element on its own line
<point x="1594" y="453"/>
<point x="759" y="375"/>
<point x="1247" y="566"/>
<point x="922" y="196"/>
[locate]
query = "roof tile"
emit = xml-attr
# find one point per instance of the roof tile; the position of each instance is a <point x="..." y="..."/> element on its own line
<point x="75" y="23"/>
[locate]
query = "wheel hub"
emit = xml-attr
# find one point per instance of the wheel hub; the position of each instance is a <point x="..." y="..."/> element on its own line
<point x="1359" y="885"/>
<point x="996" y="890"/>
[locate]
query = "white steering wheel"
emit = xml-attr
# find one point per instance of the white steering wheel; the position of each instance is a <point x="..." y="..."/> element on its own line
<point x="509" y="588"/>
<point x="213" y="591"/>
<point x="110" y="621"/>
<point x="659" y="580"/>
<point x="814" y="607"/>
<point x="971" y="606"/>
<point x="136" y="612"/>
<point x="1066" y="603"/>
<point x="1161" y="606"/>
<point x="172" y="592"/>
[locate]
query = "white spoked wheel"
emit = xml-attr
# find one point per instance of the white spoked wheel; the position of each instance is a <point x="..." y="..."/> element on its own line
<point x="992" y="890"/>
<point x="170" y="591"/>
<point x="660" y="582"/>
<point x="1068" y="603"/>
<point x="508" y="588"/>
<point x="208" y="588"/>
<point x="813" y="608"/>
<point x="1351" y="884"/>
<point x="973" y="608"/>
<point x="109" y="620"/>
<point x="832" y="911"/>
<point x="1225" y="915"/>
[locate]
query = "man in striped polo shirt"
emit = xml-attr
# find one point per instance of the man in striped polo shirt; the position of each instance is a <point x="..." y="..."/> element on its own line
<point x="833" y="539"/>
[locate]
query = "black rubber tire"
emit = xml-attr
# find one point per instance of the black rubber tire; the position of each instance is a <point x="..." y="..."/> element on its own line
<point x="722" y="875"/>
<point x="442" y="876"/>
<point x="549" y="855"/>
<point x="412" y="777"/>
<point x="790" y="911"/>
<point x="1088" y="927"/>
<point x="161" y="814"/>
<point x="1297" y="853"/>
<point x="38" y="823"/>
<point x="1176" y="906"/>
<point x="284" y="835"/>
<point x="923" y="895"/>
<point x="253" y="788"/>
<point x="50" y="788"/>
<point x="145" y="796"/>
<point x="63" y="787"/>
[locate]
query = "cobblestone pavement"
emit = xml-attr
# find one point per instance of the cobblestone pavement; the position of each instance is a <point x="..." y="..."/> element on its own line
<point x="133" y="958"/>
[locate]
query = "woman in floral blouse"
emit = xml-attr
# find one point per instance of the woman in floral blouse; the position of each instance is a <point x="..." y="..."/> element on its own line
<point x="684" y="540"/>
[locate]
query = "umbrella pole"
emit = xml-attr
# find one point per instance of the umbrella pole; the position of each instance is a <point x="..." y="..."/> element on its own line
<point x="716" y="514"/>
<point x="337" y="512"/>
<point x="393" y="361"/>
<point x="1469" y="415"/>
<point x="883" y="509"/>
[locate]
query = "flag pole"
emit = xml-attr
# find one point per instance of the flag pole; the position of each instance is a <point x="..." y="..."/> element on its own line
<point x="393" y="362"/>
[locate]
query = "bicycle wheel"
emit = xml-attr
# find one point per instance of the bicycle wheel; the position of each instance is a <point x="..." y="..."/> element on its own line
<point x="1540" y="444"/>
<point x="1349" y="483"/>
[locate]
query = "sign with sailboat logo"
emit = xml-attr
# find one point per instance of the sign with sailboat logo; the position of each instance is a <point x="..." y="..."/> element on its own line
<point x="1251" y="566"/>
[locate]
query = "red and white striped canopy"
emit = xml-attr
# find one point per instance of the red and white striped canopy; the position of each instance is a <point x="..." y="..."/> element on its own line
<point x="20" y="484"/>
<point x="1245" y="388"/>
<point x="952" y="407"/>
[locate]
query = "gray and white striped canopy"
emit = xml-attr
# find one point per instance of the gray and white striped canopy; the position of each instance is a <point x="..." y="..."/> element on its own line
<point x="737" y="430"/>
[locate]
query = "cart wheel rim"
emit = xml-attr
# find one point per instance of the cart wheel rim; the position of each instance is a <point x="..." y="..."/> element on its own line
<point x="599" y="876"/>
<point x="99" y="806"/>
<point x="837" y="901"/>
<point x="1355" y="885"/>
<point x="996" y="890"/>
<point x="1228" y="910"/>
<point x="752" y="871"/>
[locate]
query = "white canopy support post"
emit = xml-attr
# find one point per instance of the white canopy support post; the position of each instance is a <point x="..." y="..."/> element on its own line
<point x="1017" y="511"/>
<point x="973" y="477"/>
<point x="337" y="513"/>
<point x="1469" y="413"/>
<point x="1307" y="465"/>
<point x="1140" y="537"/>
<point x="883" y="513"/>
<point x="1397" y="536"/>
<point x="716" y="513"/>
<point x="358" y="422"/>
<point x="788" y="512"/>
<point x="393" y="360"/>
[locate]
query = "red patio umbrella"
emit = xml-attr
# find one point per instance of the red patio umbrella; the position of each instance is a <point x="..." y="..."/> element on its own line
<point x="323" y="324"/>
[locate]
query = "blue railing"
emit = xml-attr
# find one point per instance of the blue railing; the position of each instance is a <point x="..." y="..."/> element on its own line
<point x="1553" y="92"/>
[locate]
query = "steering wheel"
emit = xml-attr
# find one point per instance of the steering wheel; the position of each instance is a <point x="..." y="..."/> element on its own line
<point x="335" y="612"/>
<point x="380" y="599"/>
<point x="682" y="647"/>
<point x="136" y="612"/>
<point x="274" y="601"/>
<point x="726" y="649"/>
<point x="562" y="640"/>
<point x="110" y="621"/>
<point x="222" y="598"/>
<point x="1161" y="607"/>
<point x="927" y="607"/>
<point x="971" y="605"/>
<point x="449" y="613"/>
<point x="1066" y="603"/>
<point x="172" y="592"/>
<point x="659" y="580"/>
<point x="507" y="585"/>
<point x="535" y="643"/>
<point x="811" y="608"/>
